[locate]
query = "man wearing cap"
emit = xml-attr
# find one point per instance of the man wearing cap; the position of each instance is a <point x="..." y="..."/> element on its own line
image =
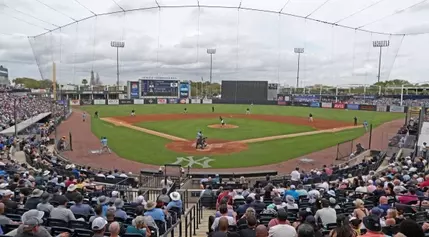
<point x="34" y="199"/>
<point x="6" y="199"/>
<point x="373" y="226"/>
<point x="80" y="208"/>
<point x="119" y="212"/>
<point x="98" y="226"/>
<point x="31" y="226"/>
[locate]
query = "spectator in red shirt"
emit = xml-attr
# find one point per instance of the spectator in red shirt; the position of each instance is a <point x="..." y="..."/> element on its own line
<point x="70" y="180"/>
<point x="425" y="183"/>
<point x="224" y="194"/>
<point x="409" y="197"/>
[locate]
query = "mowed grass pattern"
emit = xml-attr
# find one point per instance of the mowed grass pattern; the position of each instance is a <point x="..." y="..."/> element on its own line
<point x="145" y="148"/>
<point x="248" y="128"/>
<point x="376" y="118"/>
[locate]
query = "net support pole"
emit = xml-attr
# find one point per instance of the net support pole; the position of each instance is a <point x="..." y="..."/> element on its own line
<point x="370" y="136"/>
<point x="402" y="94"/>
<point x="71" y="141"/>
<point x="54" y="80"/>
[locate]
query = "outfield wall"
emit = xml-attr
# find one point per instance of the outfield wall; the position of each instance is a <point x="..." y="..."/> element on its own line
<point x="340" y="106"/>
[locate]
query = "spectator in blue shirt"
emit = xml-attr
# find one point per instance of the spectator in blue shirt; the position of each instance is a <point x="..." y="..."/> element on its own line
<point x="119" y="212"/>
<point x="80" y="208"/>
<point x="138" y="227"/>
<point x="156" y="213"/>
<point x="175" y="201"/>
<point x="242" y="208"/>
<point x="292" y="192"/>
<point x="103" y="201"/>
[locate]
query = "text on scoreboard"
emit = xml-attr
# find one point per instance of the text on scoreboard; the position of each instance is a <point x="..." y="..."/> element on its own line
<point x="160" y="88"/>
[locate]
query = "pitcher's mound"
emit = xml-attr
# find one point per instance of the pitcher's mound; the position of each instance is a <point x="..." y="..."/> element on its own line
<point x="226" y="126"/>
<point x="214" y="147"/>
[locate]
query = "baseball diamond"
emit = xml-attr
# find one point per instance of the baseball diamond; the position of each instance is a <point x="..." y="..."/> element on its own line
<point x="271" y="137"/>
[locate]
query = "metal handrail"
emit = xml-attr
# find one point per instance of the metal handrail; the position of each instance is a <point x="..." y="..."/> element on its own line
<point x="188" y="223"/>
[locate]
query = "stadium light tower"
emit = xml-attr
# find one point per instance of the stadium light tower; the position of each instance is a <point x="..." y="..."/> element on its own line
<point x="299" y="51"/>
<point x="117" y="45"/>
<point x="380" y="44"/>
<point x="211" y="52"/>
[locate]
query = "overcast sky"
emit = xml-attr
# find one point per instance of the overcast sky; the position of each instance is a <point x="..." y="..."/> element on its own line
<point x="251" y="45"/>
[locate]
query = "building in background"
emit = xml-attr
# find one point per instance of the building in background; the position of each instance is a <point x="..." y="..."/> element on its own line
<point x="4" y="76"/>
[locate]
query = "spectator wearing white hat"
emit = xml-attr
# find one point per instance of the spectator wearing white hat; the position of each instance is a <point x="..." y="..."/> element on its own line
<point x="72" y="193"/>
<point x="175" y="201"/>
<point x="98" y="227"/>
<point x="156" y="213"/>
<point x="6" y="199"/>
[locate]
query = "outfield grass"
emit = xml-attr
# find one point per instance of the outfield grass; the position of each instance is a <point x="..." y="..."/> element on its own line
<point x="376" y="118"/>
<point x="145" y="148"/>
<point x="248" y="128"/>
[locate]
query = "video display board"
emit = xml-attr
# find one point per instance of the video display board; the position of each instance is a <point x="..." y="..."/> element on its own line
<point x="160" y="88"/>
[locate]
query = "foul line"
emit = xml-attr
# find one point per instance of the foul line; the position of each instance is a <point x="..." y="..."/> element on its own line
<point x="278" y="137"/>
<point x="145" y="130"/>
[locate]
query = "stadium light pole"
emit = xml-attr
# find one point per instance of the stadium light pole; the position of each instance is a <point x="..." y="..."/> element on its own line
<point x="298" y="51"/>
<point x="211" y="52"/>
<point x="380" y="44"/>
<point x="117" y="45"/>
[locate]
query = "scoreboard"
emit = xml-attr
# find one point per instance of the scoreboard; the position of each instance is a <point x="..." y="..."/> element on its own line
<point x="159" y="88"/>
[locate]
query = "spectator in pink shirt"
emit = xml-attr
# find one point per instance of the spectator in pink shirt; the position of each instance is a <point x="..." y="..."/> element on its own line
<point x="409" y="197"/>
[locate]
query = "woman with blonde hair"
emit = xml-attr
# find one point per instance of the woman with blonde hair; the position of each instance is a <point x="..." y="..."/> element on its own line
<point x="391" y="217"/>
<point x="249" y="212"/>
<point x="360" y="211"/>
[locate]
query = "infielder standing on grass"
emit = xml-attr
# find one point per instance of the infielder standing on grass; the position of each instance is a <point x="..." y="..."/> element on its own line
<point x="310" y="117"/>
<point x="365" y="125"/>
<point x="247" y="111"/>
<point x="133" y="113"/>
<point x="104" y="145"/>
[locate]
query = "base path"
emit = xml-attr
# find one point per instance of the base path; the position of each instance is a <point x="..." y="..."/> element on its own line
<point x="84" y="140"/>
<point x="214" y="147"/>
<point x="145" y="130"/>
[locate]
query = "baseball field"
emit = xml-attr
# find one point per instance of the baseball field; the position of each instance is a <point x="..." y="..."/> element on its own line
<point x="161" y="134"/>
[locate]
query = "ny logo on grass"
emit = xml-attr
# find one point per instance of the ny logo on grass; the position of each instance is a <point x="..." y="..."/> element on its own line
<point x="203" y="162"/>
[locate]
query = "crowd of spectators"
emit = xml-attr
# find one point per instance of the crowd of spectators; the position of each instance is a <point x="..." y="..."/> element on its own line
<point x="26" y="107"/>
<point x="388" y="101"/>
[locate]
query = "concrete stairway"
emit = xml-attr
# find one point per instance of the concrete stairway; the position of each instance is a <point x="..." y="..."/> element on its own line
<point x="203" y="228"/>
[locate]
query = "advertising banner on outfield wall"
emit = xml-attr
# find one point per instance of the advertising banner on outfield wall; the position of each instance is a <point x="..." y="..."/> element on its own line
<point x="326" y="105"/>
<point x="339" y="106"/>
<point x="195" y="101"/>
<point x="368" y="107"/>
<point x="184" y="101"/>
<point x="353" y="106"/>
<point x="280" y="98"/>
<point x="161" y="101"/>
<point x="172" y="101"/>
<point x="86" y="102"/>
<point x="99" y="102"/>
<point x="315" y="104"/>
<point x="396" y="109"/>
<point x="150" y="101"/>
<point x="381" y="108"/>
<point x="74" y="102"/>
<point x="126" y="102"/>
<point x="113" y="102"/>
<point x="303" y="104"/>
<point x="281" y="102"/>
<point x="138" y="101"/>
<point x="207" y="101"/>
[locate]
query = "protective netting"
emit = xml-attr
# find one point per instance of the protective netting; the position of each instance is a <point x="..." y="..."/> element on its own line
<point x="171" y="40"/>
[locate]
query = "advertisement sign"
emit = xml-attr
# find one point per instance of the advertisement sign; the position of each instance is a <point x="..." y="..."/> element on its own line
<point x="184" y="89"/>
<point x="353" y="106"/>
<point x="74" y="102"/>
<point x="315" y="104"/>
<point x="113" y="102"/>
<point x="326" y="105"/>
<point x="99" y="102"/>
<point x="339" y="106"/>
<point x="172" y="101"/>
<point x="281" y="102"/>
<point x="150" y="101"/>
<point x="161" y="101"/>
<point x="396" y="109"/>
<point x="195" y="101"/>
<point x="287" y="98"/>
<point x="85" y="102"/>
<point x="138" y="101"/>
<point x="381" y="108"/>
<point x="207" y="101"/>
<point x="184" y="101"/>
<point x="126" y="102"/>
<point x="303" y="104"/>
<point x="280" y="98"/>
<point x="368" y="107"/>
<point x="134" y="89"/>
